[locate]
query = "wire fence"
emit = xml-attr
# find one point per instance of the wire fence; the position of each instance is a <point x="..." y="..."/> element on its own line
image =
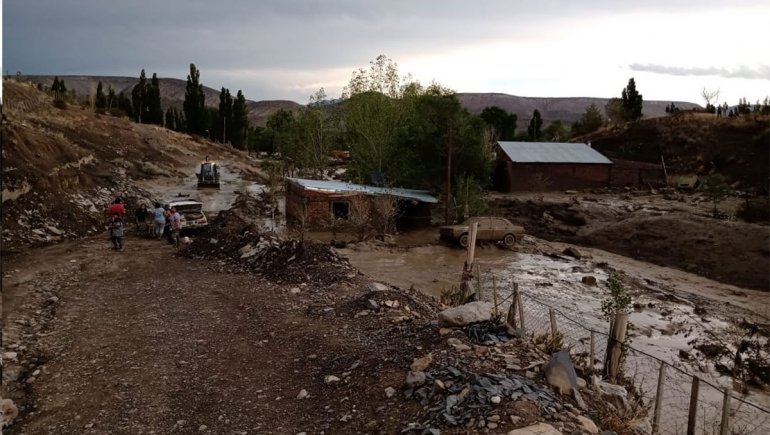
<point x="675" y="401"/>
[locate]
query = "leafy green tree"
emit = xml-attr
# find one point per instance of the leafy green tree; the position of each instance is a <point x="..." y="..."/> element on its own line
<point x="153" y="103"/>
<point x="240" y="121"/>
<point x="632" y="102"/>
<point x="535" y="124"/>
<point x="589" y="122"/>
<point x="501" y="121"/>
<point x="282" y="127"/>
<point x="194" y="103"/>
<point x="100" y="102"/>
<point x="556" y="132"/>
<point x="614" y="110"/>
<point x="139" y="99"/>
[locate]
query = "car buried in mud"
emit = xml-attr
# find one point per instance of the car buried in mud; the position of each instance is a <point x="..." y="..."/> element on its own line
<point x="191" y="213"/>
<point x="492" y="229"/>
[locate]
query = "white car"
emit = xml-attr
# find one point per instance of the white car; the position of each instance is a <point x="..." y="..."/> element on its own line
<point x="191" y="213"/>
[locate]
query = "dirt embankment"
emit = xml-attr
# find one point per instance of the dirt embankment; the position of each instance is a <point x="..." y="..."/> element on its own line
<point x="62" y="166"/>
<point x="694" y="143"/>
<point x="655" y="230"/>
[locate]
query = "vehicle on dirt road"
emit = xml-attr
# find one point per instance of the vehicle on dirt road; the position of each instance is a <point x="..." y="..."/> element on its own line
<point x="208" y="175"/>
<point x="192" y="214"/>
<point x="493" y="229"/>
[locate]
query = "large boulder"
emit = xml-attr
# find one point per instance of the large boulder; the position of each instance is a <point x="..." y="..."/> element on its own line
<point x="611" y="393"/>
<point x="560" y="374"/>
<point x="472" y="312"/>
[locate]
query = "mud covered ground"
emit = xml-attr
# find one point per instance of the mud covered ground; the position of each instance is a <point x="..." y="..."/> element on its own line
<point x="672" y="230"/>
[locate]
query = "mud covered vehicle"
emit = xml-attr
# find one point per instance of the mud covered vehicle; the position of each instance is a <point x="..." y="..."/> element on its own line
<point x="192" y="214"/>
<point x="491" y="229"/>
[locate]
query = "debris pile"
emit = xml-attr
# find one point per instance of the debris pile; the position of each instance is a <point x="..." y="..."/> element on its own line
<point x="455" y="396"/>
<point x="231" y="237"/>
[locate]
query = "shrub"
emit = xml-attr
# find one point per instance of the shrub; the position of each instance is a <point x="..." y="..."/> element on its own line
<point x="755" y="209"/>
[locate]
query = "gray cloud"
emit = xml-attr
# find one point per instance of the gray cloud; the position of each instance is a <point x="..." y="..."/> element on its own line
<point x="743" y="72"/>
<point x="119" y="38"/>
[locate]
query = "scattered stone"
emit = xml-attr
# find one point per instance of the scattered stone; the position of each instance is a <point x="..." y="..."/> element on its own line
<point x="581" y="383"/>
<point x="473" y="312"/>
<point x="515" y="420"/>
<point x="53" y="299"/>
<point x="589" y="280"/>
<point x="438" y="383"/>
<point x="302" y="394"/>
<point x="573" y="252"/>
<point x="295" y="290"/>
<point x="392" y="304"/>
<point x="415" y="379"/>
<point x="560" y="373"/>
<point x="330" y="379"/>
<point x="376" y="287"/>
<point x="614" y="394"/>
<point x="641" y="427"/>
<point x="445" y="331"/>
<point x="202" y="428"/>
<point x="372" y="305"/>
<point x="53" y="230"/>
<point x="587" y="424"/>
<point x="491" y="425"/>
<point x="420" y="364"/>
<point x="537" y="429"/>
<point x="390" y="392"/>
<point x="10" y="355"/>
<point x="495" y="399"/>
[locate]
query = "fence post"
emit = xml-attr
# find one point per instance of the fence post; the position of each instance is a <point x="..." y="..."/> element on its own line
<point x="521" y="310"/>
<point x="552" y="315"/>
<point x="693" y="405"/>
<point x="659" y="398"/>
<point x="478" y="290"/>
<point x="591" y="353"/>
<point x="724" y="427"/>
<point x="615" y="346"/>
<point x="511" y="318"/>
<point x="494" y="293"/>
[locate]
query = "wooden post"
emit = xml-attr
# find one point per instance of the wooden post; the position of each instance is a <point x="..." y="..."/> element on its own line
<point x="659" y="398"/>
<point x="552" y="315"/>
<point x="472" y="245"/>
<point x="693" y="405"/>
<point x="521" y="311"/>
<point x="592" y="353"/>
<point x="494" y="293"/>
<point x="665" y="173"/>
<point x="511" y="318"/>
<point x="615" y="346"/>
<point x="478" y="290"/>
<point x="724" y="427"/>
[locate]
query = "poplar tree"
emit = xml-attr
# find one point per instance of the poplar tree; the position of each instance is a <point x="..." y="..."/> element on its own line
<point x="535" y="124"/>
<point x="240" y="122"/>
<point x="152" y="102"/>
<point x="100" y="102"/>
<point x="225" y="123"/>
<point x="632" y="102"/>
<point x="139" y="99"/>
<point x="194" y="102"/>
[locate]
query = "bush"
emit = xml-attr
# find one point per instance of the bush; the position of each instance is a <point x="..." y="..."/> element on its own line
<point x="59" y="103"/>
<point x="755" y="209"/>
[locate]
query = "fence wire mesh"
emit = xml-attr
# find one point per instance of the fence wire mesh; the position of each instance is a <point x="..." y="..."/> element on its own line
<point x="640" y="374"/>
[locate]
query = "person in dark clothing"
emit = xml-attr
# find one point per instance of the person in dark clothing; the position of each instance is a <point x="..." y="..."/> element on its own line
<point x="141" y="218"/>
<point x="116" y="232"/>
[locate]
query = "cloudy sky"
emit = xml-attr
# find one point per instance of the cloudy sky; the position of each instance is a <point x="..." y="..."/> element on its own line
<point x="287" y="49"/>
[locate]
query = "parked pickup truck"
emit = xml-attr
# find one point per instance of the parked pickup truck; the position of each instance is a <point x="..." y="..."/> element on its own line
<point x="490" y="229"/>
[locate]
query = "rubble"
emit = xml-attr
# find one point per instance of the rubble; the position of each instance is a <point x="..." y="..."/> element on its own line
<point x="472" y="312"/>
<point x="536" y="429"/>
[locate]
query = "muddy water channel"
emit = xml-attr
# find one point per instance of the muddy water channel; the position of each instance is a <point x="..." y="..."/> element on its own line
<point x="668" y="322"/>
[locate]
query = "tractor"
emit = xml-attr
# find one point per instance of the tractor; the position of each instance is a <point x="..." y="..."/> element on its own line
<point x="208" y="175"/>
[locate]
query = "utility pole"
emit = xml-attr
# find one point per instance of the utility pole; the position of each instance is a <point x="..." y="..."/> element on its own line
<point x="448" y="177"/>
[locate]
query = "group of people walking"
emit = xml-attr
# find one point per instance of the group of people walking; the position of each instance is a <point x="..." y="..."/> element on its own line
<point x="162" y="221"/>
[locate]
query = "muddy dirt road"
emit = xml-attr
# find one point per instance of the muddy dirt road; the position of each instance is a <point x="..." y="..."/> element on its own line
<point x="141" y="341"/>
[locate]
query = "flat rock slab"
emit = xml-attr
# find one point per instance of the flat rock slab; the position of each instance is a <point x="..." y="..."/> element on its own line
<point x="473" y="312"/>
<point x="537" y="429"/>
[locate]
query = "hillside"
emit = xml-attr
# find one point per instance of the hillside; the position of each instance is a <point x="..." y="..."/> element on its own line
<point x="62" y="166"/>
<point x="693" y="143"/>
<point x="565" y="109"/>
<point x="171" y="92"/>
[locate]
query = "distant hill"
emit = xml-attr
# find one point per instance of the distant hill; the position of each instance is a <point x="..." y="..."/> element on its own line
<point x="568" y="109"/>
<point x="171" y="93"/>
<point x="172" y="90"/>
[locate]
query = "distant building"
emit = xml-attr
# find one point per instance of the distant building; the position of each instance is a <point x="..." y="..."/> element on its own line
<point x="318" y="202"/>
<point x="523" y="166"/>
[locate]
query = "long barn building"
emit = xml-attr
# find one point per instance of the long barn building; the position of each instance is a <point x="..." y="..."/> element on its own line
<point x="523" y="166"/>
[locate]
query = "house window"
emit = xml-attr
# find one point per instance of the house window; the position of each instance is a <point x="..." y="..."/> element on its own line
<point x="340" y="209"/>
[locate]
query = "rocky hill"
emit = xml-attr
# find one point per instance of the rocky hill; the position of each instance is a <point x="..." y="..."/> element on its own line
<point x="566" y="110"/>
<point x="695" y="143"/>
<point x="171" y="92"/>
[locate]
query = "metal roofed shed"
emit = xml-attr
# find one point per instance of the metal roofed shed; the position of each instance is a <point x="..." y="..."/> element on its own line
<point x="538" y="166"/>
<point x="321" y="201"/>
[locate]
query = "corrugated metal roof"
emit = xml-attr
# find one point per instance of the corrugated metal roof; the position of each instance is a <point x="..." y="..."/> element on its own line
<point x="552" y="152"/>
<point x="342" y="187"/>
